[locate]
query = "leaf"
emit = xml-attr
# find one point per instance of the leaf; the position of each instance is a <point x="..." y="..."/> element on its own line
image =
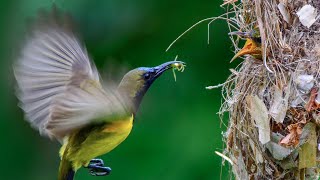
<point x="239" y="167"/>
<point x="290" y="162"/>
<point x="284" y="12"/>
<point x="317" y="99"/>
<point x="308" y="151"/>
<point x="278" y="152"/>
<point x="311" y="104"/>
<point x="279" y="106"/>
<point x="305" y="82"/>
<point x="307" y="15"/>
<point x="256" y="152"/>
<point x="292" y="139"/>
<point x="259" y="114"/>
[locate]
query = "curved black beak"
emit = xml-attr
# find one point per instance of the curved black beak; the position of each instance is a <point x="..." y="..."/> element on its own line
<point x="168" y="65"/>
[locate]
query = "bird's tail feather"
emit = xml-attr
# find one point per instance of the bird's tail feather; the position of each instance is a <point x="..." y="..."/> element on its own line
<point x="66" y="171"/>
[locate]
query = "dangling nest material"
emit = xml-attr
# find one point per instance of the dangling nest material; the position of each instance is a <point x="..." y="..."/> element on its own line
<point x="273" y="103"/>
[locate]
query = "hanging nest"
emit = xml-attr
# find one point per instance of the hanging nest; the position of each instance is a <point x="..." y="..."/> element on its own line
<point x="271" y="98"/>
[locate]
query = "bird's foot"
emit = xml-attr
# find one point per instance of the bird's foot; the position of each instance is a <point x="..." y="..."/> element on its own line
<point x="97" y="162"/>
<point x="96" y="168"/>
<point x="99" y="170"/>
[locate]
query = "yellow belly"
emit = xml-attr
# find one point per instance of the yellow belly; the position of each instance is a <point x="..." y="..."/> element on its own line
<point x="98" y="142"/>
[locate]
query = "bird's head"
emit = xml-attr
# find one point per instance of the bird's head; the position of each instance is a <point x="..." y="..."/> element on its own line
<point x="252" y="45"/>
<point x="136" y="82"/>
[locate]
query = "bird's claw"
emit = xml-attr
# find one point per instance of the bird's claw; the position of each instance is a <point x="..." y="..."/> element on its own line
<point x="96" y="168"/>
<point x="96" y="162"/>
<point x="100" y="171"/>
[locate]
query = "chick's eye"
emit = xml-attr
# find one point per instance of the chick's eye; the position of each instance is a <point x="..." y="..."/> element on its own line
<point x="146" y="76"/>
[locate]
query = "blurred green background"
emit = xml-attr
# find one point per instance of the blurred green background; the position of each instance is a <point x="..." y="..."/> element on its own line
<point x="176" y="131"/>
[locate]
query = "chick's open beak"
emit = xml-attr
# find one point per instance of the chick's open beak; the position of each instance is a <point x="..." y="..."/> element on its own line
<point x="252" y="45"/>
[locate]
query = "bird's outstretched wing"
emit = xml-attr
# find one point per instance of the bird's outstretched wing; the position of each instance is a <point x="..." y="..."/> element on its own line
<point x="58" y="86"/>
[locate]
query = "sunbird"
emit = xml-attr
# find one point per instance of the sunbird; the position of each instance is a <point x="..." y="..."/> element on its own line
<point x="60" y="91"/>
<point x="252" y="45"/>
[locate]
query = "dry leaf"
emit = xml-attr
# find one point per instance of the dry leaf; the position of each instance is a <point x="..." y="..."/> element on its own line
<point x="277" y="151"/>
<point x="317" y="99"/>
<point x="256" y="152"/>
<point x="289" y="162"/>
<point x="305" y="82"/>
<point x="311" y="104"/>
<point x="279" y="106"/>
<point x="238" y="167"/>
<point x="298" y="100"/>
<point x="286" y="141"/>
<point x="292" y="139"/>
<point x="307" y="15"/>
<point x="284" y="12"/>
<point x="259" y="114"/>
<point x="316" y="117"/>
<point x="308" y="151"/>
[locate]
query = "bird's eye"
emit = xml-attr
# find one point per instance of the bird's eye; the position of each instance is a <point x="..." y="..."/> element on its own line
<point x="146" y="76"/>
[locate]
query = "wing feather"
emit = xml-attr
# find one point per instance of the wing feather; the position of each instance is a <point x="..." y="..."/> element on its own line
<point x="57" y="84"/>
<point x="78" y="105"/>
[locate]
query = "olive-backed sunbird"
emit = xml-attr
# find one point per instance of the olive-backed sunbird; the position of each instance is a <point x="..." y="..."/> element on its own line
<point x="60" y="91"/>
<point x="252" y="45"/>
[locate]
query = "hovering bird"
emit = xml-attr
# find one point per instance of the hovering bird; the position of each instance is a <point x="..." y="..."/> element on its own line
<point x="60" y="91"/>
<point x="252" y="45"/>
